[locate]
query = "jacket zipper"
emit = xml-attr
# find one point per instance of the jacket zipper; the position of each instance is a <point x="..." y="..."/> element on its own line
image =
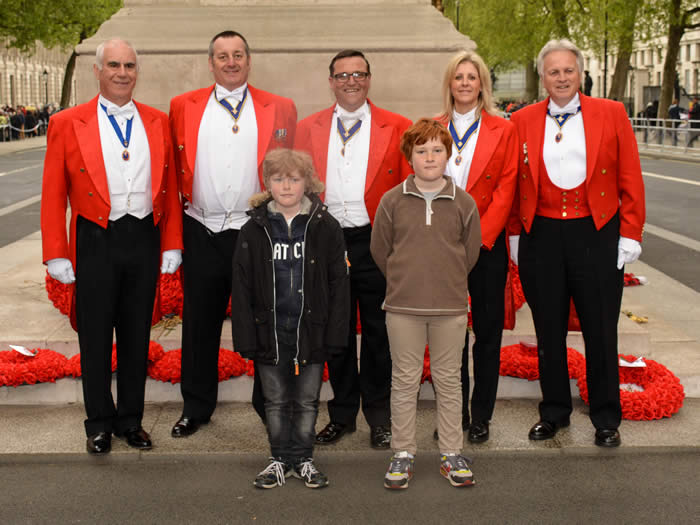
<point x="303" y="253"/>
<point x="274" y="297"/>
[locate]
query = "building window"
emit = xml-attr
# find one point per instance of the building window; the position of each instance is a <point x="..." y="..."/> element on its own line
<point x="658" y="78"/>
<point x="687" y="53"/>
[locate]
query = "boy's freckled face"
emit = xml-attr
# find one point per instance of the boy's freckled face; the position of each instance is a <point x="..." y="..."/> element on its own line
<point x="429" y="160"/>
<point x="287" y="189"/>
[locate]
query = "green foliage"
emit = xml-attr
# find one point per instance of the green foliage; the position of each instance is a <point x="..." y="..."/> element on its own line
<point x="62" y="23"/>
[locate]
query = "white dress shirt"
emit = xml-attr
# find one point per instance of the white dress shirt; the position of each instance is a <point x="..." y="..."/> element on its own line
<point x="129" y="181"/>
<point x="565" y="160"/>
<point x="460" y="173"/>
<point x="226" y="167"/>
<point x="346" y="174"/>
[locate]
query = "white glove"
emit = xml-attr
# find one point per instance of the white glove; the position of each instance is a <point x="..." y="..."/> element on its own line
<point x="61" y="269"/>
<point x="628" y="251"/>
<point x="171" y="261"/>
<point x="514" y="241"/>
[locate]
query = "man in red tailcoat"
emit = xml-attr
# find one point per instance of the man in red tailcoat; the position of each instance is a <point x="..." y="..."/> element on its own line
<point x="577" y="221"/>
<point x="112" y="159"/>
<point x="355" y="149"/>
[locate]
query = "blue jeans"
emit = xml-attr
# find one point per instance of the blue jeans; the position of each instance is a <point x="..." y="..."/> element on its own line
<point x="291" y="405"/>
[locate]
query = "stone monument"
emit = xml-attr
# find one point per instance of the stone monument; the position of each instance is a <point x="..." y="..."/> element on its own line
<point x="407" y="43"/>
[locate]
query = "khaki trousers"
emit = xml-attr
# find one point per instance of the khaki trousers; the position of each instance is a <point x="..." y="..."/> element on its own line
<point x="408" y="335"/>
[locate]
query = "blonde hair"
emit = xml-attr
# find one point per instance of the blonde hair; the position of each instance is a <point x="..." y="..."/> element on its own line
<point x="485" y="101"/>
<point x="286" y="161"/>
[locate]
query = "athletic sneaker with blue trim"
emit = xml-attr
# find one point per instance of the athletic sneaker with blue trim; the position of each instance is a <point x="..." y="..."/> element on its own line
<point x="400" y="471"/>
<point x="455" y="468"/>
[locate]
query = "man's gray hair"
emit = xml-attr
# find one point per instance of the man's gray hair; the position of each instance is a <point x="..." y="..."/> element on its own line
<point x="562" y="44"/>
<point x="100" y="53"/>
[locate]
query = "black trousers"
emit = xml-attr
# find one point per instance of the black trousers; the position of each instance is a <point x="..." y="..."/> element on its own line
<point x="207" y="266"/>
<point x="116" y="277"/>
<point x="487" y="282"/>
<point x="372" y="383"/>
<point x="563" y="259"/>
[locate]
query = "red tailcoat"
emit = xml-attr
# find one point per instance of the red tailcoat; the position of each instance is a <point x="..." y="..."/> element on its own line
<point x="613" y="172"/>
<point x="386" y="166"/>
<point x="74" y="170"/>
<point x="276" y="120"/>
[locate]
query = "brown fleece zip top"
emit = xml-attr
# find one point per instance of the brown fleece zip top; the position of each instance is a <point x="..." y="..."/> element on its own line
<point x="426" y="248"/>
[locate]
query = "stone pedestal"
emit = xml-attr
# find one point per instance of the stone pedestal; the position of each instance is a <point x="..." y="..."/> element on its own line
<point x="407" y="43"/>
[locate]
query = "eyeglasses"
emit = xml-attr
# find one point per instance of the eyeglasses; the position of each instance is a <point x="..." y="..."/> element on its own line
<point x="344" y="77"/>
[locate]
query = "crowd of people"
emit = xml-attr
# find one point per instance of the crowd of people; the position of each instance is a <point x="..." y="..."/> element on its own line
<point x="24" y="121"/>
<point x="352" y="212"/>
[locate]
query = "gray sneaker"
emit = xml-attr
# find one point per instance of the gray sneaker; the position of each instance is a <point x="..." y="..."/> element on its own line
<point x="400" y="471"/>
<point x="455" y="468"/>
<point x="274" y="474"/>
<point x="307" y="471"/>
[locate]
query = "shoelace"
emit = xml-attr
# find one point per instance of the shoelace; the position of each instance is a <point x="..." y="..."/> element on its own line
<point x="308" y="469"/>
<point x="398" y="462"/>
<point x="276" y="467"/>
<point x="459" y="461"/>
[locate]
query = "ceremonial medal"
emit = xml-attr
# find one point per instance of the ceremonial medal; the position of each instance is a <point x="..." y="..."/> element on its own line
<point x="234" y="112"/>
<point x="560" y="120"/>
<point x="347" y="134"/>
<point x="461" y="142"/>
<point x="118" y="131"/>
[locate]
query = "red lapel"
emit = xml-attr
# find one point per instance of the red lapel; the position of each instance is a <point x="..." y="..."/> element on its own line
<point x="379" y="138"/>
<point x="265" y="118"/>
<point x="154" y="134"/>
<point x="320" y="133"/>
<point x="535" y="138"/>
<point x="489" y="137"/>
<point x="87" y="131"/>
<point x="593" y="129"/>
<point x="194" y="109"/>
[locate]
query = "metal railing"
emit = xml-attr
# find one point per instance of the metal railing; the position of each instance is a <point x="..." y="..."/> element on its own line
<point x="9" y="132"/>
<point x="667" y="135"/>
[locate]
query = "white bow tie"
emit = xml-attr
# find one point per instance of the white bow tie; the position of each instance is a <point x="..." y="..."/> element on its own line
<point x="126" y="111"/>
<point x="347" y="116"/>
<point x="236" y="94"/>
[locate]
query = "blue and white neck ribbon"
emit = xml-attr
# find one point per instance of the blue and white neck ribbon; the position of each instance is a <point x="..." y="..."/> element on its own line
<point x="235" y="112"/>
<point x="118" y="131"/>
<point x="461" y="142"/>
<point x="560" y="120"/>
<point x="347" y="134"/>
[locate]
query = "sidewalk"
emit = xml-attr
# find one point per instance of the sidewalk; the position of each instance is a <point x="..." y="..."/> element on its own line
<point x="15" y="146"/>
<point x="54" y="433"/>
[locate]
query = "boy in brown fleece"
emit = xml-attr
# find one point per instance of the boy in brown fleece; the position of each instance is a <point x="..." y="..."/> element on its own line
<point x="425" y="240"/>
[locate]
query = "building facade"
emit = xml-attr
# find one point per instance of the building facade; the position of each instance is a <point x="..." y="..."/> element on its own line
<point x="32" y="79"/>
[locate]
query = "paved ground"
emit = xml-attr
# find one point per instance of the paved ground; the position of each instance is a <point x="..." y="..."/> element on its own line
<point x="643" y="488"/>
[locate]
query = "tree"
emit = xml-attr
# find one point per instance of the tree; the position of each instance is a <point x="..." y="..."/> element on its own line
<point x="509" y="33"/>
<point x="679" y="17"/>
<point x="63" y="23"/>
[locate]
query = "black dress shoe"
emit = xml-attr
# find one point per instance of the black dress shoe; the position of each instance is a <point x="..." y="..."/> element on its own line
<point x="478" y="432"/>
<point x="544" y="429"/>
<point x="99" y="444"/>
<point x="186" y="426"/>
<point x="136" y="437"/>
<point x="607" y="437"/>
<point x="380" y="436"/>
<point x="332" y="432"/>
